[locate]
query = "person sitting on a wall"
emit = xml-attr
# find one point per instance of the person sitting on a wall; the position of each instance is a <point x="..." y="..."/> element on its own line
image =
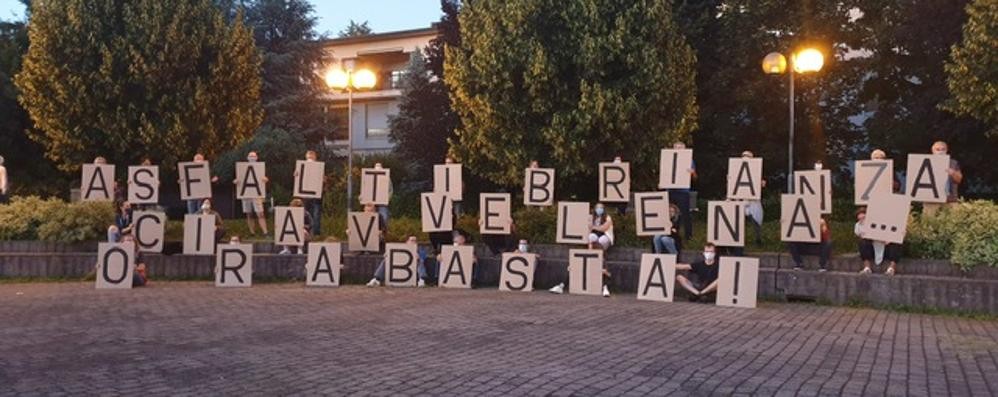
<point x="122" y="223"/>
<point x="306" y="233"/>
<point x="369" y="208"/>
<point x="822" y="249"/>
<point x="379" y="273"/>
<point x="139" y="276"/>
<point x="219" y="223"/>
<point x="703" y="273"/>
<point x="600" y="229"/>
<point x="875" y="251"/>
<point x="669" y="243"/>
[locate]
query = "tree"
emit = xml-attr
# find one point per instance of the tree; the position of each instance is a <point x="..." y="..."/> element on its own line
<point x="284" y="32"/>
<point x="425" y="121"/>
<point x="355" y="29"/>
<point x="973" y="66"/>
<point x="131" y="79"/>
<point x="569" y="84"/>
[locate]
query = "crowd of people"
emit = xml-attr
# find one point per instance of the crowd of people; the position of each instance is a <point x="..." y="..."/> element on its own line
<point x="699" y="278"/>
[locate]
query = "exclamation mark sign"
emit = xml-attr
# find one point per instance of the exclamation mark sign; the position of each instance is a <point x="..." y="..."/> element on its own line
<point x="738" y="270"/>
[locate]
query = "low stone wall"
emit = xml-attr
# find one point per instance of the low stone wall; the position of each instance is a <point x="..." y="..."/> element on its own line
<point x="960" y="293"/>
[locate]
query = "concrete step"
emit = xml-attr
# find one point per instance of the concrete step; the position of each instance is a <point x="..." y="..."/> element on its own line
<point x="958" y="293"/>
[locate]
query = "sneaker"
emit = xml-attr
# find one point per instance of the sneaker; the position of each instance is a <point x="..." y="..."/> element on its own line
<point x="822" y="270"/>
<point x="421" y="283"/>
<point x="284" y="251"/>
<point x="606" y="292"/>
<point x="374" y="283"/>
<point x="866" y="270"/>
<point x="798" y="267"/>
<point x="558" y="289"/>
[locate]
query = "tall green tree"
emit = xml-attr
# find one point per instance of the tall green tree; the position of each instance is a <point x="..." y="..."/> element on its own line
<point x="355" y="29"/>
<point x="144" y="77"/>
<point x="425" y="121"/>
<point x="569" y="84"/>
<point x="973" y="68"/>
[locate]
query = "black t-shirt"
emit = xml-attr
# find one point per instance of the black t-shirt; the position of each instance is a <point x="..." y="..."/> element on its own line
<point x="706" y="274"/>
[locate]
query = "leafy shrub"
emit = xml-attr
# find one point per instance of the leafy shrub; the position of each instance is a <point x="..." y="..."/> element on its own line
<point x="32" y="218"/>
<point x="965" y="233"/>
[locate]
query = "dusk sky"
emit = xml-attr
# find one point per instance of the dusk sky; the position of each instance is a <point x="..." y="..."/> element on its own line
<point x="334" y="15"/>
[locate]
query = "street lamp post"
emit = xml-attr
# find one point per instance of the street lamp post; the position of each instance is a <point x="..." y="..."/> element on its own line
<point x="349" y="81"/>
<point x="804" y="61"/>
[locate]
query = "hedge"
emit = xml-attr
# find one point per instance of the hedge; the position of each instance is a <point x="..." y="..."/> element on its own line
<point x="33" y="218"/>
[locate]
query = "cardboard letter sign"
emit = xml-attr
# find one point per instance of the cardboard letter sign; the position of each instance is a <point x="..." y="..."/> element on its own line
<point x="309" y="177"/>
<point x="250" y="180"/>
<point x="517" y="272"/>
<point x="149" y="228"/>
<point x="744" y="178"/>
<point x="615" y="182"/>
<point x="97" y="183"/>
<point x="585" y="272"/>
<point x="324" y="264"/>
<point x="887" y="218"/>
<point x="289" y="226"/>
<point x="927" y="177"/>
<point x="538" y="187"/>
<point x="234" y="265"/>
<point x="817" y="183"/>
<point x="365" y="231"/>
<point x="375" y="184"/>
<point x="726" y="223"/>
<point x="573" y="223"/>
<point x="447" y="179"/>
<point x="199" y="234"/>
<point x="143" y="184"/>
<point x="873" y="177"/>
<point x="674" y="169"/>
<point x="437" y="212"/>
<point x="401" y="261"/>
<point x="737" y="282"/>
<point x="195" y="180"/>
<point x="657" y="278"/>
<point x="115" y="265"/>
<point x="651" y="214"/>
<point x="800" y="218"/>
<point x="456" y="263"/>
<point x="494" y="213"/>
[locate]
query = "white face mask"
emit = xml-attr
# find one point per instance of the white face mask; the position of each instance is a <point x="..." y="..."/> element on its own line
<point x="817" y="166"/>
<point x="708" y="256"/>
<point x="251" y="159"/>
<point x="523" y="248"/>
<point x="206" y="207"/>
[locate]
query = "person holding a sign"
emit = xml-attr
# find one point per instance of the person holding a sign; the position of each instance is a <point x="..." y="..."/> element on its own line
<point x="822" y="249"/>
<point x="307" y="233"/>
<point x="702" y="279"/>
<point x="379" y="273"/>
<point x="383" y="209"/>
<point x="669" y="243"/>
<point x="139" y="277"/>
<point x="254" y="206"/>
<point x="122" y="223"/>
<point x="871" y="251"/>
<point x="219" y="224"/>
<point x="600" y="228"/>
<point x="194" y="204"/>
<point x="4" y="183"/>
<point x="682" y="196"/>
<point x="314" y="205"/>
<point x="753" y="208"/>
<point x="382" y="226"/>
<point x="953" y="180"/>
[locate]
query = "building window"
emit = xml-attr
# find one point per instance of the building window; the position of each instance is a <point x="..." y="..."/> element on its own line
<point x="377" y="119"/>
<point x="395" y="80"/>
<point x="337" y="120"/>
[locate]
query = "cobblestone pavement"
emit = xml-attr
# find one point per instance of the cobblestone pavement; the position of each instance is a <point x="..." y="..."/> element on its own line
<point x="276" y="339"/>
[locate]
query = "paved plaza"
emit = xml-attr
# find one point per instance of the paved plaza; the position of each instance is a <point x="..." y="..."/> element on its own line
<point x="279" y="339"/>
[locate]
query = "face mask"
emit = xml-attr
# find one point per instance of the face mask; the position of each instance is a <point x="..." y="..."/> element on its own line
<point x="599" y="211"/>
<point x="251" y="159"/>
<point x="206" y="208"/>
<point x="817" y="166"/>
<point x="523" y="248"/>
<point x="708" y="256"/>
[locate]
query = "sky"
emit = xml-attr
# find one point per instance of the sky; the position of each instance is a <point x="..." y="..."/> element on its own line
<point x="334" y="15"/>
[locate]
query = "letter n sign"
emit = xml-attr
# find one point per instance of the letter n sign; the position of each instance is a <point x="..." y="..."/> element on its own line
<point x="115" y="265"/>
<point x="657" y="277"/>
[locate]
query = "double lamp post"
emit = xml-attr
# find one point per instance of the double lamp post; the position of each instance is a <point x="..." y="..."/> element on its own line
<point x="804" y="61"/>
<point x="350" y="81"/>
